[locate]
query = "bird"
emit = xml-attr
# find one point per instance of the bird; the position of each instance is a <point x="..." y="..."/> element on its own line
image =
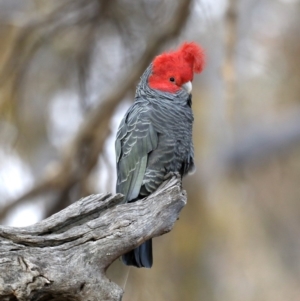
<point x="154" y="138"/>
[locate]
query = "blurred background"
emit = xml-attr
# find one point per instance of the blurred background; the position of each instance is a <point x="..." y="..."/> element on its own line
<point x="68" y="71"/>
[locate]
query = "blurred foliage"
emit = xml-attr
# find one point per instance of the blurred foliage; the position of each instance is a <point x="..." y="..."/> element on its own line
<point x="237" y="238"/>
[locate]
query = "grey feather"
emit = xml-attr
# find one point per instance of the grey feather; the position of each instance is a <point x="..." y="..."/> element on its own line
<point x="154" y="139"/>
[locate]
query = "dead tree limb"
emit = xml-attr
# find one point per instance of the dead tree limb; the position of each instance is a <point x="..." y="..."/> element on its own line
<point x="65" y="256"/>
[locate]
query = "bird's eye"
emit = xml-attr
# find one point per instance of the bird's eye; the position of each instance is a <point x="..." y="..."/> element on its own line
<point x="172" y="79"/>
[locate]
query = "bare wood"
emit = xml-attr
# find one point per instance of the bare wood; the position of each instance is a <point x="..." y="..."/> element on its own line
<point x="65" y="256"/>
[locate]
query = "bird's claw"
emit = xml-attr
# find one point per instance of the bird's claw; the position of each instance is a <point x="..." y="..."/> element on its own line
<point x="172" y="174"/>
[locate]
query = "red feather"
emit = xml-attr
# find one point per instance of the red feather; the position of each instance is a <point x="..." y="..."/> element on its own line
<point x="180" y="64"/>
<point x="193" y="54"/>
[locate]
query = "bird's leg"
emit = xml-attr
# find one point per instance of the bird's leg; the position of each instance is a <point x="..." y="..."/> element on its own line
<point x="172" y="174"/>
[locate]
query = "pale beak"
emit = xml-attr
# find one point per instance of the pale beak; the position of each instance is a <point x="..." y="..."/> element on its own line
<point x="187" y="87"/>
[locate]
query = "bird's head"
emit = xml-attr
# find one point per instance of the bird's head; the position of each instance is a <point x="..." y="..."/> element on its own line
<point x="172" y="71"/>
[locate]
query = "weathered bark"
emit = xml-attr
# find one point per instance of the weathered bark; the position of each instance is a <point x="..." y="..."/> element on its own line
<point x="65" y="256"/>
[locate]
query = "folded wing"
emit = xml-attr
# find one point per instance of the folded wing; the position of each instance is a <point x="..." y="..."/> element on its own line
<point x="136" y="138"/>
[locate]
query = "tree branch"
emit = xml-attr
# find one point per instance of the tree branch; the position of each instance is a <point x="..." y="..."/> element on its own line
<point x="258" y="144"/>
<point x="65" y="256"/>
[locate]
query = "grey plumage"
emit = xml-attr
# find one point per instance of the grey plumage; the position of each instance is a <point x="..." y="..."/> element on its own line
<point x="154" y="139"/>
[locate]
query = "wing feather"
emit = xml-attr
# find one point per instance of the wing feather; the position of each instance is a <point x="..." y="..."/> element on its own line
<point x="136" y="138"/>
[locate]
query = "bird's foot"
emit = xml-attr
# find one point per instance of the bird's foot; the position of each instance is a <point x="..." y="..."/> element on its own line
<point x="172" y="174"/>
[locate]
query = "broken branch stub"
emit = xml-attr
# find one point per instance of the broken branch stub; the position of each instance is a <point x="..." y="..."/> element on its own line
<point x="65" y="256"/>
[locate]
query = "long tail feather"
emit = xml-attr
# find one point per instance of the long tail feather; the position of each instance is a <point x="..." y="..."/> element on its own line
<point x="140" y="256"/>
